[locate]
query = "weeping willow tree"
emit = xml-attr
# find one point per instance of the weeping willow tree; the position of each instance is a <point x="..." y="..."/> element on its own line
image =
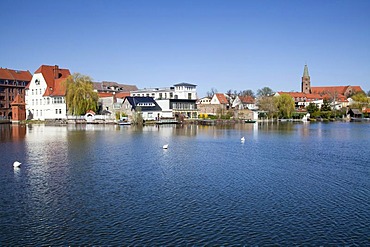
<point x="80" y="96"/>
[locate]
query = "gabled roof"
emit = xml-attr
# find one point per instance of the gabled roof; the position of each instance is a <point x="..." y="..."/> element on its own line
<point x="18" y="100"/>
<point x="221" y="98"/>
<point x="16" y="75"/>
<point x="107" y="86"/>
<point x="247" y="99"/>
<point x="54" y="77"/>
<point x="142" y="101"/>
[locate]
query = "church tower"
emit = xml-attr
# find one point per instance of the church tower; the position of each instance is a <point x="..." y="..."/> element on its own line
<point x="306" y="82"/>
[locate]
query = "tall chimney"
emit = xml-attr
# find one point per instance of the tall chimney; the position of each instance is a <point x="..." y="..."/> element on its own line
<point x="56" y="71"/>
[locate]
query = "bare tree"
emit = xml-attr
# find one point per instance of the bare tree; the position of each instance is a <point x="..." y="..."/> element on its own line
<point x="247" y="92"/>
<point x="266" y="91"/>
<point x="211" y="93"/>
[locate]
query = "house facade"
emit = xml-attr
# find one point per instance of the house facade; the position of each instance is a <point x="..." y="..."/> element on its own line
<point x="12" y="83"/>
<point x="244" y="102"/>
<point x="45" y="94"/>
<point x="147" y="107"/>
<point x="178" y="91"/>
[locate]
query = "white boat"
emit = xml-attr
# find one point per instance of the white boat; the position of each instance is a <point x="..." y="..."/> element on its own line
<point x="124" y="123"/>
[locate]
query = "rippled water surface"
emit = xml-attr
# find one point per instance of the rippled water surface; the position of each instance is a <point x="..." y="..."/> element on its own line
<point x="287" y="184"/>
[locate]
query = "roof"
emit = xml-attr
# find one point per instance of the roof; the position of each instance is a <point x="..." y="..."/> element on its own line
<point x="184" y="84"/>
<point x="122" y="95"/>
<point x="104" y="94"/>
<point x="134" y="101"/>
<point x="335" y="89"/>
<point x="18" y="100"/>
<point x="54" y="77"/>
<point x="247" y="99"/>
<point x="305" y="71"/>
<point x="302" y="95"/>
<point x="107" y="86"/>
<point x="17" y="75"/>
<point x="221" y="98"/>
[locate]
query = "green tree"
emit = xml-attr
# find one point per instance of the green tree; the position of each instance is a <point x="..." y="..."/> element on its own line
<point x="360" y="100"/>
<point x="80" y="96"/>
<point x="311" y="108"/>
<point x="325" y="106"/>
<point x="285" y="105"/>
<point x="266" y="91"/>
<point x="368" y="93"/>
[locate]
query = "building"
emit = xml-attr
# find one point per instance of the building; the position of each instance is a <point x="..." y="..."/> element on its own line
<point x="337" y="96"/>
<point x="18" y="109"/>
<point x="176" y="101"/>
<point x="45" y="94"/>
<point x="147" y="107"/>
<point x="12" y="83"/>
<point x="112" y="87"/>
<point x="244" y="102"/>
<point x="178" y="91"/>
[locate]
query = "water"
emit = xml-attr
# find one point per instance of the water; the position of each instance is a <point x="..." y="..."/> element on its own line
<point x="287" y="184"/>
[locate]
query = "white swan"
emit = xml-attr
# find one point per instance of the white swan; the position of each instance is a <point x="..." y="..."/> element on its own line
<point x="165" y="146"/>
<point x="17" y="164"/>
<point x="242" y="139"/>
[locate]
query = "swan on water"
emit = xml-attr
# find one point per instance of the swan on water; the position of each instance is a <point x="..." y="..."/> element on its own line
<point x="242" y="139"/>
<point x="165" y="146"/>
<point x="17" y="164"/>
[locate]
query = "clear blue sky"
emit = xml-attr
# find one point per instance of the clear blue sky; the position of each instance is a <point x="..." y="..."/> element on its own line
<point x="226" y="44"/>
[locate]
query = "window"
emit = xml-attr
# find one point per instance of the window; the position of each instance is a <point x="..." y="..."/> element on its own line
<point x="32" y="91"/>
<point x="189" y="95"/>
<point x="60" y="111"/>
<point x="56" y="111"/>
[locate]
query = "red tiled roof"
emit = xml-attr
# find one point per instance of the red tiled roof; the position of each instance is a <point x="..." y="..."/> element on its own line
<point x="18" y="75"/>
<point x="102" y="94"/>
<point x="303" y="95"/>
<point x="122" y="95"/>
<point x="335" y="89"/>
<point x="366" y="110"/>
<point x="247" y="99"/>
<point x="221" y="98"/>
<point x="54" y="77"/>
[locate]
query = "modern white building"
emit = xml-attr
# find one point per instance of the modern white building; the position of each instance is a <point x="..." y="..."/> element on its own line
<point x="178" y="91"/>
<point x="176" y="101"/>
<point x="45" y="94"/>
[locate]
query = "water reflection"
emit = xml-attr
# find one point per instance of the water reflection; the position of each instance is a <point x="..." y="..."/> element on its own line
<point x="288" y="183"/>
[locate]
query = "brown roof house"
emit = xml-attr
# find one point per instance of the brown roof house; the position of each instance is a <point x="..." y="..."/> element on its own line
<point x="12" y="84"/>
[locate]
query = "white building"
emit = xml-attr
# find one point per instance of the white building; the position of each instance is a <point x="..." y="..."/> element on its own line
<point x="45" y="94"/>
<point x="178" y="91"/>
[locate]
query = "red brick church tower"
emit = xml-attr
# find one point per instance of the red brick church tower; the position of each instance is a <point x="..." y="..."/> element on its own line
<point x="306" y="82"/>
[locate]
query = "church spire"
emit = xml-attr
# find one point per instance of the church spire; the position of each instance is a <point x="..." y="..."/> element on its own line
<point x="305" y="72"/>
<point x="306" y="81"/>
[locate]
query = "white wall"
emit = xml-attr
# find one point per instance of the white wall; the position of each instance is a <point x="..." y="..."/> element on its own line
<point x="43" y="107"/>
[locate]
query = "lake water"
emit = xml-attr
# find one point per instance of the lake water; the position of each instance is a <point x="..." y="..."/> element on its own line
<point x="287" y="184"/>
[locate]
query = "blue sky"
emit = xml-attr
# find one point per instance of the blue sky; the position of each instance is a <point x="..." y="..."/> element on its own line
<point x="224" y="45"/>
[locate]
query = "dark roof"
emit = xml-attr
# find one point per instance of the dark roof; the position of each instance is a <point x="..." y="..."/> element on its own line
<point x="136" y="101"/>
<point x="107" y="86"/>
<point x="185" y="84"/>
